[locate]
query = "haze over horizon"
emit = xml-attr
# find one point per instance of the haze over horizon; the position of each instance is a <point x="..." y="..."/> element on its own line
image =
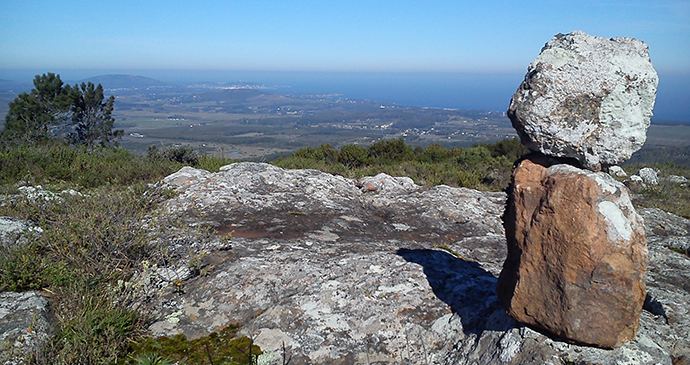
<point x="330" y="42"/>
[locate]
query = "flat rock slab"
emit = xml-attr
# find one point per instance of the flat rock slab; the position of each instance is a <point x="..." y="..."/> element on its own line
<point x="24" y="325"/>
<point x="392" y="275"/>
<point x="13" y="232"/>
<point x="587" y="98"/>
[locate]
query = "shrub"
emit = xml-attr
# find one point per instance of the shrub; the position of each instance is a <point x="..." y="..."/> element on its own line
<point x="224" y="347"/>
<point x="353" y="156"/>
<point x="480" y="167"/>
<point x="61" y="163"/>
<point x="212" y="163"/>
<point x="89" y="243"/>
<point x="392" y="150"/>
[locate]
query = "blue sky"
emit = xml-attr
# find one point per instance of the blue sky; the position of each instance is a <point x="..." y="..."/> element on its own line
<point x="372" y="35"/>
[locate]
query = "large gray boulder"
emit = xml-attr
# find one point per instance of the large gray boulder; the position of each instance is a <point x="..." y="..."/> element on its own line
<point x="587" y="98"/>
<point x="377" y="270"/>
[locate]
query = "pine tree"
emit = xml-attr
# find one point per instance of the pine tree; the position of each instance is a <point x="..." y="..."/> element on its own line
<point x="36" y="115"/>
<point x="92" y="116"/>
<point x="52" y="110"/>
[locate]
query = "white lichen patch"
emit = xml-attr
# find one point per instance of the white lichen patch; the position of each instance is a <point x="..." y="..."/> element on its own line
<point x="273" y="339"/>
<point x="324" y="317"/>
<point x="351" y="219"/>
<point x="607" y="184"/>
<point x="323" y="235"/>
<point x="557" y="57"/>
<point x="174" y="317"/>
<point x="510" y="345"/>
<point x="619" y="225"/>
<point x="375" y="269"/>
<point x="397" y="289"/>
<point x="402" y="227"/>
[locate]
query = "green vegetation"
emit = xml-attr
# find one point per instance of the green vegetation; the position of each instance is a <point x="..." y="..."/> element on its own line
<point x="90" y="246"/>
<point x="679" y="250"/>
<point x="669" y="196"/>
<point x="485" y="167"/>
<point x="100" y="222"/>
<point x="90" y="243"/>
<point x="52" y="110"/>
<point x="59" y="163"/>
<point x="223" y="348"/>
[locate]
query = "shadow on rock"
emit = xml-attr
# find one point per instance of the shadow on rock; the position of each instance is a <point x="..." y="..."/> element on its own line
<point x="469" y="290"/>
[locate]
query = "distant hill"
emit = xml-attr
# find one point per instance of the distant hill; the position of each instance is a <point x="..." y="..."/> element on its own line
<point x="14" y="86"/>
<point x="125" y="82"/>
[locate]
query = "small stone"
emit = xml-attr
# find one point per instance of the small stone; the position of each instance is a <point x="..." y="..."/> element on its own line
<point x="577" y="254"/>
<point x="171" y="274"/>
<point x="13" y="232"/>
<point x="586" y="98"/>
<point x="635" y="183"/>
<point x="387" y="184"/>
<point x="617" y="171"/>
<point x="648" y="176"/>
<point x="185" y="176"/>
<point x="675" y="179"/>
<point x="368" y="187"/>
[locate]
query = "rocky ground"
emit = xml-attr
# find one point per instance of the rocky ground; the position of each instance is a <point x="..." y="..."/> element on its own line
<point x="384" y="271"/>
<point x="377" y="271"/>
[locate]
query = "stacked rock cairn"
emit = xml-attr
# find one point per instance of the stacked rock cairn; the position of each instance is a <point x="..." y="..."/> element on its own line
<point x="577" y="252"/>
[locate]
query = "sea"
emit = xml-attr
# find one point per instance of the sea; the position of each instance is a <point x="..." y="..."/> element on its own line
<point x="453" y="90"/>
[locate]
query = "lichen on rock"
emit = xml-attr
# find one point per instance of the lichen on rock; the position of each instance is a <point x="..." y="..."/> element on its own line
<point x="376" y="293"/>
<point x="587" y="98"/>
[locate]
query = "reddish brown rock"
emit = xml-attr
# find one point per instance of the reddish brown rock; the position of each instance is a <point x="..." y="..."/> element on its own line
<point x="577" y="254"/>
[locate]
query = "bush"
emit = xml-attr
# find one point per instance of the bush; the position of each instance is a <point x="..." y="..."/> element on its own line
<point x="486" y="167"/>
<point x="89" y="244"/>
<point x="353" y="156"/>
<point x="392" y="150"/>
<point x="183" y="155"/>
<point x="224" y="347"/>
<point x="61" y="163"/>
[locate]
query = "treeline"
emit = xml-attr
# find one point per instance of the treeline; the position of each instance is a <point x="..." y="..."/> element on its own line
<point x="78" y="115"/>
<point x="485" y="166"/>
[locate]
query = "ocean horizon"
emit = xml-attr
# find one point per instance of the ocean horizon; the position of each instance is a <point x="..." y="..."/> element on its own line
<point x="454" y="90"/>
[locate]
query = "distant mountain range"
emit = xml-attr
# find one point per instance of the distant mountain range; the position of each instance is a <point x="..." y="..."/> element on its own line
<point x="119" y="84"/>
<point x="18" y="87"/>
<point x="125" y="82"/>
<point x="109" y="82"/>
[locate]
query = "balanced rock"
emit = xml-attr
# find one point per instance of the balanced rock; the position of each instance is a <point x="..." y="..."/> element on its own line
<point x="588" y="98"/>
<point x="577" y="254"/>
